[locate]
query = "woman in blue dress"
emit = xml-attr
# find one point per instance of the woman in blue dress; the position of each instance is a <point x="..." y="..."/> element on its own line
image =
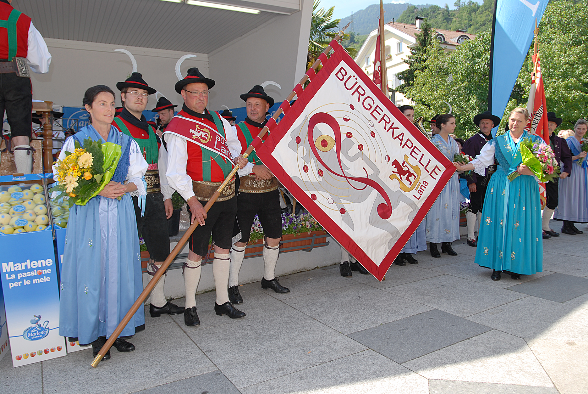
<point x="443" y="217"/>
<point x="101" y="276"/>
<point x="573" y="190"/>
<point x="510" y="237"/>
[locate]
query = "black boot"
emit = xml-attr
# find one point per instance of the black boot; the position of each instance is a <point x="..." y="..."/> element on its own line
<point x="495" y="275"/>
<point x="234" y="295"/>
<point x="399" y="260"/>
<point x="97" y="345"/>
<point x="358" y="267"/>
<point x="434" y="251"/>
<point x="168" y="308"/>
<point x="274" y="285"/>
<point x="573" y="227"/>
<point x="345" y="269"/>
<point x="410" y="259"/>
<point x="566" y="228"/>
<point x="191" y="317"/>
<point x="446" y="248"/>
<point x="229" y="310"/>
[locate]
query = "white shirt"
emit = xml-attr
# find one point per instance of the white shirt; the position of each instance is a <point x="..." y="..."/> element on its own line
<point x="177" y="159"/>
<point x="166" y="189"/>
<point x="38" y="55"/>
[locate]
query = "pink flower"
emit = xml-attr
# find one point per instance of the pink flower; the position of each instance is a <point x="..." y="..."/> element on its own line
<point x="550" y="170"/>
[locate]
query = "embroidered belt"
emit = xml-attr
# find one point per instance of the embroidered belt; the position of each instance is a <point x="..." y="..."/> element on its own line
<point x="152" y="181"/>
<point x="204" y="190"/>
<point x="17" y="65"/>
<point x="250" y="184"/>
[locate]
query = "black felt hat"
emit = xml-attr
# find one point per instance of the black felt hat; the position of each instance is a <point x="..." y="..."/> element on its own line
<point x="228" y="115"/>
<point x="193" y="76"/>
<point x="486" y="115"/>
<point x="135" y="81"/>
<point x="257" y="91"/>
<point x="162" y="104"/>
<point x="433" y="119"/>
<point x="552" y="118"/>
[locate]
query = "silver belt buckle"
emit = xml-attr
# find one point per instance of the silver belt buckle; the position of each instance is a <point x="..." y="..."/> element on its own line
<point x="22" y="68"/>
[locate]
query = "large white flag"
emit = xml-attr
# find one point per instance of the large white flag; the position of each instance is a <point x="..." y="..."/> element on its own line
<point x="350" y="157"/>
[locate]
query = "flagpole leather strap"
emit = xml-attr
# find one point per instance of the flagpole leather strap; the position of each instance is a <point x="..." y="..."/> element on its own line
<point x="250" y="184"/>
<point x="204" y="190"/>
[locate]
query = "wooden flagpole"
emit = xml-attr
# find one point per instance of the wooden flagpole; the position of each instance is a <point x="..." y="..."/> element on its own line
<point x="180" y="245"/>
<point x="382" y="49"/>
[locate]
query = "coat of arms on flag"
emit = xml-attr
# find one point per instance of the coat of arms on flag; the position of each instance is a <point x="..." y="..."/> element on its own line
<point x="350" y="157"/>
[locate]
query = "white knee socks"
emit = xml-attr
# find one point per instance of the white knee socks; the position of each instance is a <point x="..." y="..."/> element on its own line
<point x="471" y="218"/>
<point x="237" y="256"/>
<point x="23" y="159"/>
<point x="191" y="279"/>
<point x="220" y="270"/>
<point x="157" y="296"/>
<point x="546" y="218"/>
<point x="270" y="258"/>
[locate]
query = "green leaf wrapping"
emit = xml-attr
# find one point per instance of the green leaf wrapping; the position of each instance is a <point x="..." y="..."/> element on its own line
<point x="532" y="162"/>
<point x="111" y="155"/>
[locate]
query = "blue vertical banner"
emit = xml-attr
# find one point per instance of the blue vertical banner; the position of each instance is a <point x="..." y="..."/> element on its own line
<point x="31" y="297"/>
<point x="512" y="34"/>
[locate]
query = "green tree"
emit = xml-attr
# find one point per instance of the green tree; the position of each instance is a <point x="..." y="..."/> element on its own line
<point x="426" y="45"/>
<point x="323" y="29"/>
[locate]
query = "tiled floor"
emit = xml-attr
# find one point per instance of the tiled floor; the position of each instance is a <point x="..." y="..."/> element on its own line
<point x="440" y="327"/>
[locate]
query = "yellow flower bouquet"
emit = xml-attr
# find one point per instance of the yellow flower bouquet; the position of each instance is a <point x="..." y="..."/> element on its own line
<point x="83" y="173"/>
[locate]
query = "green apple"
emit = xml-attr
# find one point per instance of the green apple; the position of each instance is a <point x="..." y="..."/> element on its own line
<point x="61" y="222"/>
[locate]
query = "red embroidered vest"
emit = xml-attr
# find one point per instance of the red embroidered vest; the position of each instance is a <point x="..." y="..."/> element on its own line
<point x="14" y="32"/>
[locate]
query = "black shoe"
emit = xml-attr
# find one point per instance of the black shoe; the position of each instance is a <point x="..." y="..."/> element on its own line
<point x="566" y="229"/>
<point x="446" y="248"/>
<point x="399" y="260"/>
<point x="168" y="308"/>
<point x="358" y="267"/>
<point x="228" y="309"/>
<point x="123" y="346"/>
<point x="274" y="285"/>
<point x="434" y="251"/>
<point x="234" y="295"/>
<point x="552" y="233"/>
<point x="191" y="317"/>
<point x="472" y="242"/>
<point x="515" y="276"/>
<point x="546" y="235"/>
<point x="410" y="259"/>
<point x="574" y="229"/>
<point x="495" y="275"/>
<point x="345" y="269"/>
<point x="97" y="345"/>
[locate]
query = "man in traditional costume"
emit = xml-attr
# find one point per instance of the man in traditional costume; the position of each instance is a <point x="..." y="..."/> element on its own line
<point x="477" y="183"/>
<point x="19" y="40"/>
<point x="165" y="112"/>
<point x="228" y="115"/>
<point x="563" y="154"/>
<point x="258" y="195"/>
<point x="152" y="212"/>
<point x="201" y="146"/>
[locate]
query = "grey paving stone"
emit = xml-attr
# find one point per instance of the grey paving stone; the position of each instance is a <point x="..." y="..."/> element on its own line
<point x="455" y="295"/>
<point x="163" y="354"/>
<point x="398" y="275"/>
<point x="415" y="336"/>
<point x="364" y="372"/>
<point x="273" y="340"/>
<point x="568" y="259"/>
<point x="528" y="318"/>
<point x="453" y="387"/>
<point x="212" y="382"/>
<point x="557" y="287"/>
<point x="26" y="379"/>
<point x="492" y="357"/>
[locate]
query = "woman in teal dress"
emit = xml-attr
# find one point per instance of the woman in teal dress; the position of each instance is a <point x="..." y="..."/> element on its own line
<point x="510" y="237"/>
<point x="442" y="224"/>
<point x="101" y="276"/>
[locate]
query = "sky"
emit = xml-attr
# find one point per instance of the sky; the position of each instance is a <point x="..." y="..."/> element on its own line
<point x="344" y="8"/>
